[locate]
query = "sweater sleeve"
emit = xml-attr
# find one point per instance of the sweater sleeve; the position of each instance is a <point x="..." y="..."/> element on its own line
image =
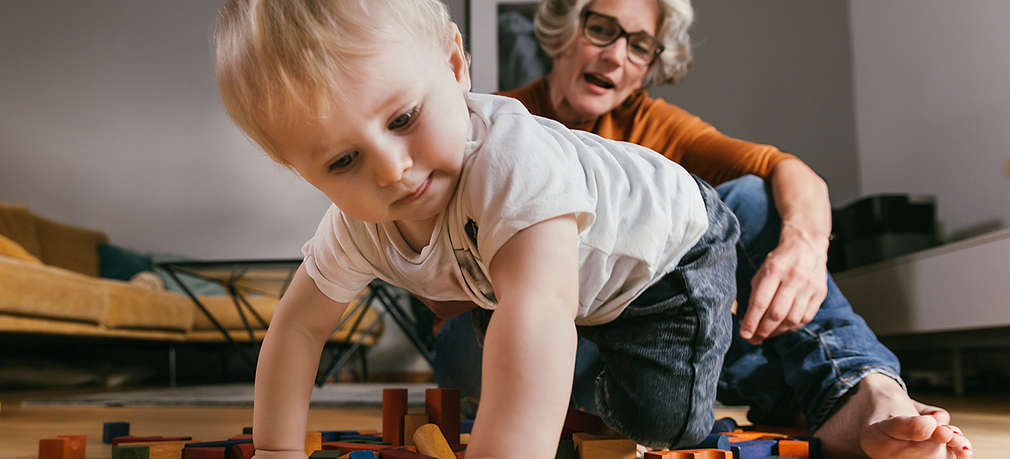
<point x="696" y="145"/>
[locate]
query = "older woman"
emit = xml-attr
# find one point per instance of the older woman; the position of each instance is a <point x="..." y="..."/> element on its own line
<point x="801" y="352"/>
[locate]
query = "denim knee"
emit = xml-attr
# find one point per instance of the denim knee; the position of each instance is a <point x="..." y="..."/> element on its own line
<point x="660" y="422"/>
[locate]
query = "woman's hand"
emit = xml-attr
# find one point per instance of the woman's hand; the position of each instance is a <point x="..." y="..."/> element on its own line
<point x="788" y="288"/>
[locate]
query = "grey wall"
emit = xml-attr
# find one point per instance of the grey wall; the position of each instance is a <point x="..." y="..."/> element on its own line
<point x="932" y="99"/>
<point x="777" y="72"/>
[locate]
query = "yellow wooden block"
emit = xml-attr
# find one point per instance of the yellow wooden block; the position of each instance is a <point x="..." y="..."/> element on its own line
<point x="410" y="424"/>
<point x="579" y="437"/>
<point x="429" y="440"/>
<point x="163" y="449"/>
<point x="313" y="442"/>
<point x="608" y="449"/>
<point x="464" y="439"/>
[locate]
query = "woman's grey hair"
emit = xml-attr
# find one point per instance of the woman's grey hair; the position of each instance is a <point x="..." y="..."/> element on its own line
<point x="557" y="26"/>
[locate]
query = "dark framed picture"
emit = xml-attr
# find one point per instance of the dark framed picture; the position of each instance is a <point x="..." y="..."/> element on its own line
<point x="504" y="52"/>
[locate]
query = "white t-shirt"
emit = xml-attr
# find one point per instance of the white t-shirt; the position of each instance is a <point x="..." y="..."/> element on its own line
<point x="637" y="213"/>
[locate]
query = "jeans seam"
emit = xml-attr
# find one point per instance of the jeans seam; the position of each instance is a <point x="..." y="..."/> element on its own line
<point x="842" y="387"/>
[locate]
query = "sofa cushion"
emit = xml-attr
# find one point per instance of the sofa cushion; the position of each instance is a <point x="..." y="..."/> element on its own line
<point x="19" y="225"/>
<point x="9" y="248"/>
<point x="32" y="290"/>
<point x="136" y="307"/>
<point x="115" y="262"/>
<point x="68" y="246"/>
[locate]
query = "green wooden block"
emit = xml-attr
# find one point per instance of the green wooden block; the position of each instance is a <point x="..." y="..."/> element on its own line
<point x="566" y="450"/>
<point x="324" y="453"/>
<point x="130" y="452"/>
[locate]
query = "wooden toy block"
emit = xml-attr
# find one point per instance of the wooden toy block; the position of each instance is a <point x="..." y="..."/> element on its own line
<point x="78" y="442"/>
<point x="132" y="439"/>
<point x="55" y="448"/>
<point x="347" y="446"/>
<point x="364" y="454"/>
<point x="206" y="452"/>
<point x="429" y="440"/>
<point x="794" y="448"/>
<point x="460" y="454"/>
<point x="130" y="452"/>
<point x="579" y="437"/>
<point x="752" y="449"/>
<point x="241" y="437"/>
<point x="336" y="435"/>
<point x="608" y="449"/>
<point x="365" y="439"/>
<point x="326" y="454"/>
<point x="442" y="408"/>
<point x="704" y="453"/>
<point x="394" y="408"/>
<point x="247" y="430"/>
<point x="566" y="449"/>
<point x="580" y="421"/>
<point x="787" y="431"/>
<point x="713" y="441"/>
<point x="401" y="453"/>
<point x="410" y="424"/>
<point x="735" y="437"/>
<point x="313" y="442"/>
<point x="724" y="425"/>
<point x="162" y="449"/>
<point x="464" y="439"/>
<point x="465" y="426"/>
<point x="243" y="451"/>
<point x="115" y="429"/>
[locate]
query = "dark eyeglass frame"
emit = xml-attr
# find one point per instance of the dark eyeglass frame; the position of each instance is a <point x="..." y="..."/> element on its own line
<point x="587" y="13"/>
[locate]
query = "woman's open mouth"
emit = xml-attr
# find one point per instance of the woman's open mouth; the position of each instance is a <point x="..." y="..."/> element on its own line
<point x="598" y="80"/>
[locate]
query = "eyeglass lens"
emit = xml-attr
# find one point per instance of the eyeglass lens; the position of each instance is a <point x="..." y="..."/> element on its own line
<point x="603" y="30"/>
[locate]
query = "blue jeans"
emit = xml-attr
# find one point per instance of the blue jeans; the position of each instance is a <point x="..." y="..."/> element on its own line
<point x="802" y="372"/>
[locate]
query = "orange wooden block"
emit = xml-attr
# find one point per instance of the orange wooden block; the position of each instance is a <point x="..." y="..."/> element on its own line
<point x="580" y="437"/>
<point x="313" y="442"/>
<point x="394" y="408"/>
<point x="794" y="448"/>
<point x="429" y="440"/>
<point x="78" y="442"/>
<point x="748" y="436"/>
<point x="690" y="454"/>
<point x="442" y="408"/>
<point x="55" y="448"/>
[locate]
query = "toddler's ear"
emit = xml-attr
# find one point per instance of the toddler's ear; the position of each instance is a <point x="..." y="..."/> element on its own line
<point x="459" y="62"/>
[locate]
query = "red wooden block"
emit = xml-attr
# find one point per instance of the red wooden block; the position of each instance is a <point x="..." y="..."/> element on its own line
<point x="243" y="451"/>
<point x="347" y="447"/>
<point x="216" y="452"/>
<point x="132" y="439"/>
<point x="442" y="408"/>
<point x="401" y="453"/>
<point x="580" y="421"/>
<point x="460" y="454"/>
<point x="689" y="454"/>
<point x="55" y="448"/>
<point x="242" y="437"/>
<point x="394" y="408"/>
<point x="77" y="445"/>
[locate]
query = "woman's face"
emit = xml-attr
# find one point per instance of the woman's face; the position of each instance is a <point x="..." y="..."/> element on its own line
<point x="588" y="81"/>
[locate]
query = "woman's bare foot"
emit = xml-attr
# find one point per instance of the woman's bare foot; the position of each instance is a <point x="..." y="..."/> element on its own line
<point x="879" y="420"/>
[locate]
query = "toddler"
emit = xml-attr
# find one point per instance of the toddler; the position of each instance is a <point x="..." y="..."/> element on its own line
<point x="459" y="196"/>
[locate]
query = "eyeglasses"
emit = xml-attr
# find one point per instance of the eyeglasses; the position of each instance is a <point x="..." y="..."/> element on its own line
<point x="602" y="30"/>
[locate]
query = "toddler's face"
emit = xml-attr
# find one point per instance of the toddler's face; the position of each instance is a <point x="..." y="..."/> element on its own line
<point x="392" y="148"/>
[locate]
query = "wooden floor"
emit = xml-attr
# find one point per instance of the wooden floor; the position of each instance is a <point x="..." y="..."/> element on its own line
<point x="986" y="421"/>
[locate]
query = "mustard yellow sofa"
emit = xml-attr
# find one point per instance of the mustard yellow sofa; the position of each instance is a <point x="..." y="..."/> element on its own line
<point x="49" y="284"/>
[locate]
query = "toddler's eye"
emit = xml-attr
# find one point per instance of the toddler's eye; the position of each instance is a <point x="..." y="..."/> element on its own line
<point x="343" y="162"/>
<point x="404" y="120"/>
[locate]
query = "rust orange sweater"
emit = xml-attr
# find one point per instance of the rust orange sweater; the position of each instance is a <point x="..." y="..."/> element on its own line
<point x="673" y="132"/>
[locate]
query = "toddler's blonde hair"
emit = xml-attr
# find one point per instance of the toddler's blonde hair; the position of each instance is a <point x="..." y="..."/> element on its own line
<point x="276" y="58"/>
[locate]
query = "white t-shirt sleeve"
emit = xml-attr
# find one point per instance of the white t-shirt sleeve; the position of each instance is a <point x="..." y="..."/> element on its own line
<point x="522" y="175"/>
<point x="340" y="274"/>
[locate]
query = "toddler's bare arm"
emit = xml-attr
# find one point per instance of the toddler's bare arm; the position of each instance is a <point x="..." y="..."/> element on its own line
<point x="288" y="361"/>
<point x="529" y="350"/>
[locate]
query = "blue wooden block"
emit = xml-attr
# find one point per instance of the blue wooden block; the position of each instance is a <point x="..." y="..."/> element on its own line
<point x="713" y="441"/>
<point x="465" y="426"/>
<point x="363" y="454"/>
<point x="112" y="430"/>
<point x="217" y="444"/>
<point x="724" y="425"/>
<point x="337" y="435"/>
<point x="753" y="449"/>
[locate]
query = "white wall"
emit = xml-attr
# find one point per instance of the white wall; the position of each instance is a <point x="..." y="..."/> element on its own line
<point x="777" y="72"/>
<point x="110" y="119"/>
<point x="932" y="98"/>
